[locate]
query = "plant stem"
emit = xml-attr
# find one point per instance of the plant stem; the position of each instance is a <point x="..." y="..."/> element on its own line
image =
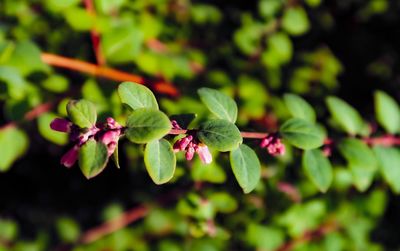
<point x="160" y="87"/>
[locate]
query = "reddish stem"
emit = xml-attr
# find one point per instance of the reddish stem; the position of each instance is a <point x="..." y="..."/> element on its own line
<point x="95" y="36"/>
<point x="248" y="135"/>
<point x="160" y="87"/>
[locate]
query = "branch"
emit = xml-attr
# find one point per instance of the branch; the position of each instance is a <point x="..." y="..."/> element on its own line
<point x="109" y="73"/>
<point x="113" y="225"/>
<point x="95" y="36"/>
<point x="248" y="135"/>
<point x="311" y="235"/>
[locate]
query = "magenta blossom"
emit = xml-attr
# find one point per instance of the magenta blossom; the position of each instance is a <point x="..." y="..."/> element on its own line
<point x="273" y="144"/>
<point x="191" y="146"/>
<point x="61" y="125"/>
<point x="107" y="133"/>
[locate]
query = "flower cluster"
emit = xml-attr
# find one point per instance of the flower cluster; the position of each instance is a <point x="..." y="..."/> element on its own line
<point x="273" y="145"/>
<point x="107" y="133"/>
<point x="191" y="145"/>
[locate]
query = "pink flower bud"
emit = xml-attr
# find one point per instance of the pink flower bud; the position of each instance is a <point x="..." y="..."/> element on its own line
<point x="110" y="136"/>
<point x="175" y="125"/>
<point x="70" y="157"/>
<point x="204" y="154"/>
<point x="111" y="148"/>
<point x="181" y="144"/>
<point x="190" y="151"/>
<point x="264" y="142"/>
<point x="273" y="144"/>
<point x="61" y="125"/>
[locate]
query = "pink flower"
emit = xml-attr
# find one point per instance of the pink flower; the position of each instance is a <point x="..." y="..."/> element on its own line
<point x="110" y="139"/>
<point x="61" y="125"/>
<point x="204" y="154"/>
<point x="181" y="144"/>
<point x="70" y="157"/>
<point x="191" y="146"/>
<point x="273" y="144"/>
<point x="190" y="151"/>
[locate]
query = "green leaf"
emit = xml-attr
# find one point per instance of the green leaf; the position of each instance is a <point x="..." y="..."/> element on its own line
<point x="145" y="125"/>
<point x="295" y="21"/>
<point x="79" y="19"/>
<point x="302" y="134"/>
<point x="246" y="167"/>
<point x="82" y="113"/>
<point x="68" y="230"/>
<point x="387" y="112"/>
<point x="137" y="96"/>
<point x="389" y="161"/>
<point x="220" y="134"/>
<point x="13" y="144"/>
<point x="219" y="104"/>
<point x="122" y="44"/>
<point x="92" y="158"/>
<point x="160" y="161"/>
<point x="361" y="161"/>
<point x="318" y="168"/>
<point x="345" y="115"/>
<point x="44" y="121"/>
<point x="299" y="108"/>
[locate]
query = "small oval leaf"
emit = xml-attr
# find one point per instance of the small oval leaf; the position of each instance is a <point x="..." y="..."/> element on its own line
<point x="361" y="161"/>
<point x="82" y="113"/>
<point x="345" y="115"/>
<point x="299" y="107"/>
<point x="145" y="125"/>
<point x="318" y="168"/>
<point x="389" y="161"/>
<point x="221" y="105"/>
<point x="160" y="161"/>
<point x="13" y="144"/>
<point x="92" y="158"/>
<point x="387" y="112"/>
<point x="137" y="96"/>
<point x="246" y="167"/>
<point x="220" y="134"/>
<point x="302" y="134"/>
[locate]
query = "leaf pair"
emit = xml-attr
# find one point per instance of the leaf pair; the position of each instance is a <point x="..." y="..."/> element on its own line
<point x="147" y="125"/>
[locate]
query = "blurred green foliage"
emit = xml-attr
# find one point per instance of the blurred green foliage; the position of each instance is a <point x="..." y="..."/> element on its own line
<point x="255" y="52"/>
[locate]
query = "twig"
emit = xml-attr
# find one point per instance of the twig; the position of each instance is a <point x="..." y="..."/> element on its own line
<point x="248" y="135"/>
<point x="324" y="229"/>
<point x="160" y="87"/>
<point x="95" y="36"/>
<point x="113" y="225"/>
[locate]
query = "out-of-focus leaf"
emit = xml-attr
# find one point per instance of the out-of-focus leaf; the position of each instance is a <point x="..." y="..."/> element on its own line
<point x="361" y="160"/>
<point x="389" y="161"/>
<point x="57" y="6"/>
<point x="26" y="58"/>
<point x="220" y="134"/>
<point x="295" y="21"/>
<point x="299" y="108"/>
<point x="345" y="115"/>
<point x="145" y="125"/>
<point x="212" y="172"/>
<point x="302" y="134"/>
<point x="387" y="112"/>
<point x="49" y="134"/>
<point x="246" y="167"/>
<point x="92" y="158"/>
<point x="318" y="168"/>
<point x="56" y="83"/>
<point x="79" y="19"/>
<point x="68" y="230"/>
<point x="13" y="144"/>
<point x="223" y="202"/>
<point x="137" y="96"/>
<point x="122" y="44"/>
<point x="16" y="84"/>
<point x="264" y="237"/>
<point x="8" y="230"/>
<point x="160" y="161"/>
<point x="219" y="104"/>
